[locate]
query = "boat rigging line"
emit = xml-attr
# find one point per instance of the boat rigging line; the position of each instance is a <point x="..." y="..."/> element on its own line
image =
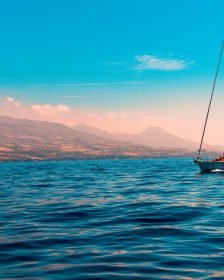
<point x="210" y="102"/>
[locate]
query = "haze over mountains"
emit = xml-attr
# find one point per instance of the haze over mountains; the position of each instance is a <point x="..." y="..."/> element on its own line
<point x="22" y="139"/>
<point x="152" y="137"/>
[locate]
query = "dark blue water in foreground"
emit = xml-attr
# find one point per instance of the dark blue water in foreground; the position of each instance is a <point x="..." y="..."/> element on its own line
<point x="124" y="219"/>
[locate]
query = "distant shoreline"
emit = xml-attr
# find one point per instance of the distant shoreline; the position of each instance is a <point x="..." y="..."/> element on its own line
<point x="98" y="158"/>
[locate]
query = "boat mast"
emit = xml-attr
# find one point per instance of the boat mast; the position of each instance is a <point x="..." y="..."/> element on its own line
<point x="210" y="102"/>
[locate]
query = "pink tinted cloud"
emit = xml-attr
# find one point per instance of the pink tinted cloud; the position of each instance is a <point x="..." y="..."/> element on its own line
<point x="111" y="121"/>
<point x="111" y="116"/>
<point x="13" y="101"/>
<point x="14" y="108"/>
<point x="48" y="109"/>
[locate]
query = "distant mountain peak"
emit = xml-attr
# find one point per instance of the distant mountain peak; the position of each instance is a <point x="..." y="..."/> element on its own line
<point x="152" y="136"/>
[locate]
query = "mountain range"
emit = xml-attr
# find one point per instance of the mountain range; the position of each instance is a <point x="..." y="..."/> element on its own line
<point x="153" y="137"/>
<point x="22" y="139"/>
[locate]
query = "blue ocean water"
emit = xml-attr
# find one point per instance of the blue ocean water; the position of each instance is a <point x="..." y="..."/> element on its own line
<point x="111" y="219"/>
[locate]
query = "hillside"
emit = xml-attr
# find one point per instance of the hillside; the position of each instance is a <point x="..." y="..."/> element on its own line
<point x="22" y="139"/>
<point x="153" y="137"/>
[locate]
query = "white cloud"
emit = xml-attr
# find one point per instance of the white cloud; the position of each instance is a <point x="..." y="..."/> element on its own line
<point x="149" y="62"/>
<point x="12" y="101"/>
<point x="63" y="108"/>
<point x="44" y="112"/>
<point x="111" y="116"/>
<point x="47" y="109"/>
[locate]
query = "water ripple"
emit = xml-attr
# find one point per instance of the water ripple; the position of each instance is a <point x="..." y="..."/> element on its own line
<point x="105" y="219"/>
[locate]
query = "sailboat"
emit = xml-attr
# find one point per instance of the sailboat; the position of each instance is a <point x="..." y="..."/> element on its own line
<point x="209" y="165"/>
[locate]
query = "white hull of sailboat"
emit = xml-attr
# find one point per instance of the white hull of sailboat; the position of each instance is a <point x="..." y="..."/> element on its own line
<point x="209" y="166"/>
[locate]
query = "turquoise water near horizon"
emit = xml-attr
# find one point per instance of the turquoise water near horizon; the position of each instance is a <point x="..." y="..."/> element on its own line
<point x="111" y="219"/>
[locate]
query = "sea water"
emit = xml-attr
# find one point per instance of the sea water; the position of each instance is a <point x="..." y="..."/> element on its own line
<point x="111" y="219"/>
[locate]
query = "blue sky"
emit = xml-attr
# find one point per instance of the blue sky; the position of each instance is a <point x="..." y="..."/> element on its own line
<point x="97" y="41"/>
<point x="110" y="55"/>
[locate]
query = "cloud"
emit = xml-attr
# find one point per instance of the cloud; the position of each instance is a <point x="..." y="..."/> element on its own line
<point x="10" y="99"/>
<point x="47" y="109"/>
<point x="50" y="112"/>
<point x="118" y="116"/>
<point x="13" y="101"/>
<point x="149" y="62"/>
<point x="111" y="116"/>
<point x="63" y="108"/>
<point x="64" y="114"/>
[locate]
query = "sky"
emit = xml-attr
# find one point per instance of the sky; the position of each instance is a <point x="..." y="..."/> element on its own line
<point x="119" y="65"/>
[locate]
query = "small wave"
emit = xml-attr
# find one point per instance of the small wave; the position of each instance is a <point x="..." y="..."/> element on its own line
<point x="135" y="219"/>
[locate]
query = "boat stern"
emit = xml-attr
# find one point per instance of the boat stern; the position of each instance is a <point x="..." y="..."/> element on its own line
<point x="207" y="166"/>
